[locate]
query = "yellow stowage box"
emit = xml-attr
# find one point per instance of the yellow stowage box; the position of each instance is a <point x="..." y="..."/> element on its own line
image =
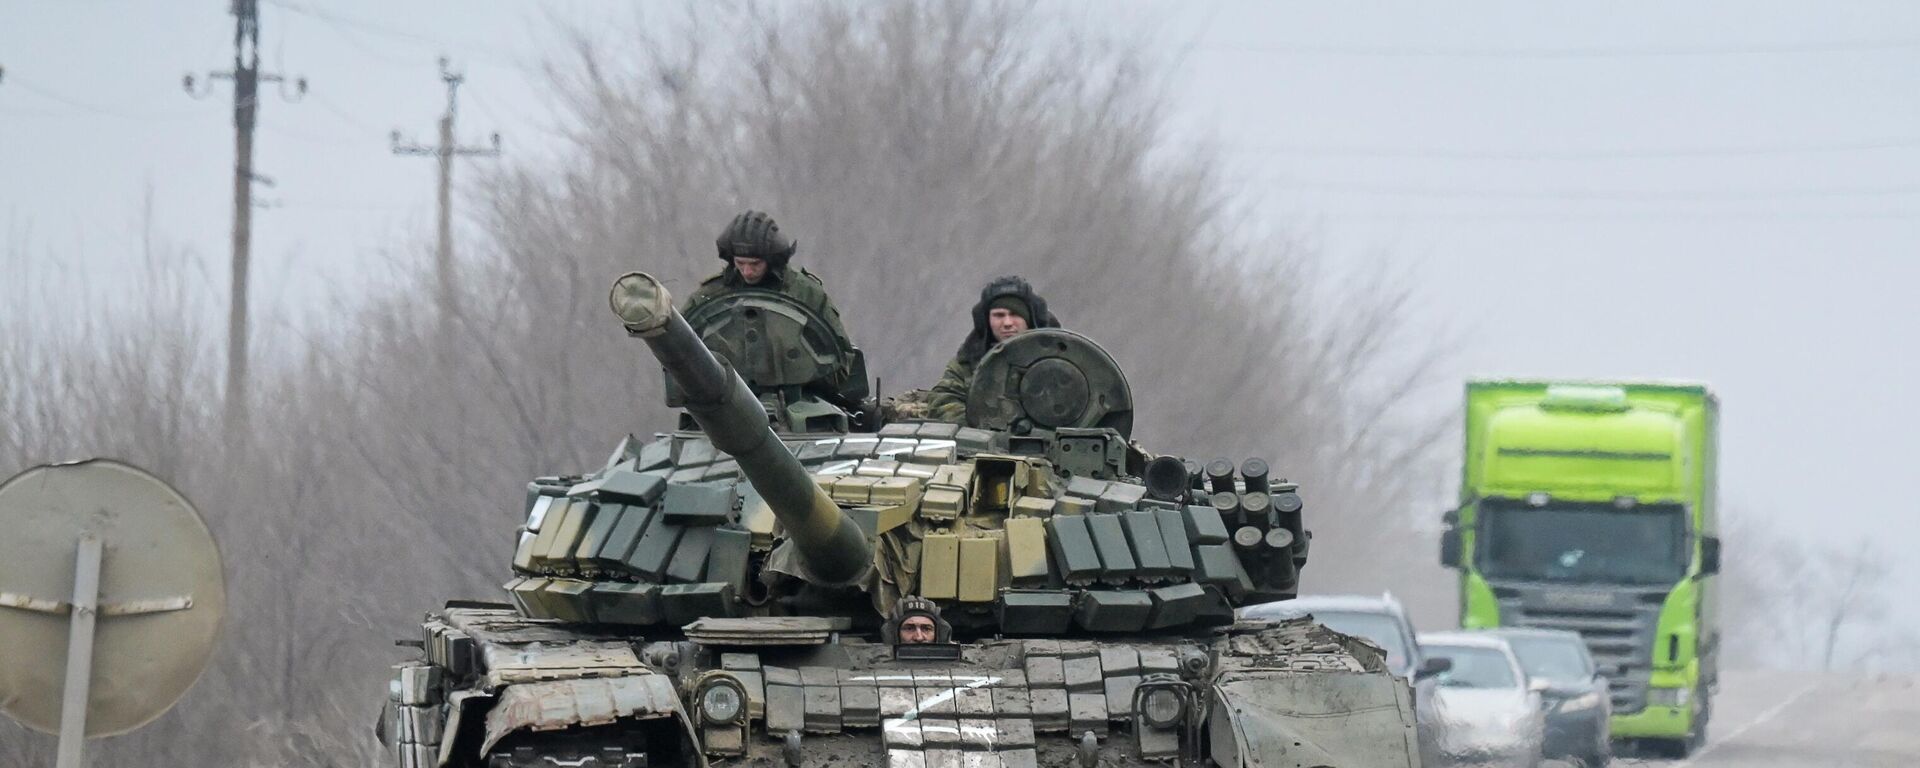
<point x="979" y="569"/>
<point x="1032" y="506"/>
<point x="943" y="502"/>
<point x="940" y="566"/>
<point x="853" y="489"/>
<point x="1026" y="548"/>
<point x="895" y="490"/>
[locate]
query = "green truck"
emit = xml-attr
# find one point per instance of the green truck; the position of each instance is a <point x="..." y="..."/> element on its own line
<point x="1591" y="506"/>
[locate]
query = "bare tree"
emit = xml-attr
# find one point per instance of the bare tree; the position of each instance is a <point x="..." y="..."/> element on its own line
<point x="916" y="150"/>
<point x="1791" y="603"/>
<point x="1856" y="595"/>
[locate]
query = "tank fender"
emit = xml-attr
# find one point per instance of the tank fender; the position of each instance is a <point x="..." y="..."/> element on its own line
<point x="1315" y="719"/>
<point x="557" y="704"/>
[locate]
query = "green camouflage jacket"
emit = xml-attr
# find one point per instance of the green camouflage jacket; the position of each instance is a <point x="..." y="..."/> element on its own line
<point x="949" y="399"/>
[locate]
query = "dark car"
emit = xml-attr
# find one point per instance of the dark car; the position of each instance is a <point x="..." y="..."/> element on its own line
<point x="1381" y="621"/>
<point x="1577" y="703"/>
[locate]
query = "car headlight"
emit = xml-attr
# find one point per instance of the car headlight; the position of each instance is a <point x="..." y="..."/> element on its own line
<point x="1162" y="708"/>
<point x="1587" y="700"/>
<point x="1668" y="697"/>
<point x="720" y="702"/>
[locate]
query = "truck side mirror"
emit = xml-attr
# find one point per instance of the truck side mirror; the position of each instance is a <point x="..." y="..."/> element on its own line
<point x="1709" y="555"/>
<point x="1450" y="547"/>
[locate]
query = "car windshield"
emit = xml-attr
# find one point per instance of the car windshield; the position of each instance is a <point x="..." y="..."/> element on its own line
<point x="1474" y="667"/>
<point x="1383" y="629"/>
<point x="1552" y="658"/>
<point x="1584" y="543"/>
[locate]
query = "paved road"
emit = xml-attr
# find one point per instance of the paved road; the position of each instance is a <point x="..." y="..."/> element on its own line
<point x="1774" y="720"/>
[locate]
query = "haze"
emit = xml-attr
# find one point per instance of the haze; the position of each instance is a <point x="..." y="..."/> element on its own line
<point x="1720" y="191"/>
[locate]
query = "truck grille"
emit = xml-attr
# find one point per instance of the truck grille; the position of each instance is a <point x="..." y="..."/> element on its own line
<point x="1618" y="629"/>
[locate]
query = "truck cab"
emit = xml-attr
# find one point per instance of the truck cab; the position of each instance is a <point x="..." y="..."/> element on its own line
<point x="1590" y="506"/>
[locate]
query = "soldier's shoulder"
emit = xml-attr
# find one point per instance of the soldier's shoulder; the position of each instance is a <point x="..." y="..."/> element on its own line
<point x="717" y="278"/>
<point x="809" y="276"/>
<point x="959" y="367"/>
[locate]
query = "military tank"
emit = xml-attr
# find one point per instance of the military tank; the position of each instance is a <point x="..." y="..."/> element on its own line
<point x="728" y="592"/>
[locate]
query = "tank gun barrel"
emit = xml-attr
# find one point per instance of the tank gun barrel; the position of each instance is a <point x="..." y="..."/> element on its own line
<point x="831" y="546"/>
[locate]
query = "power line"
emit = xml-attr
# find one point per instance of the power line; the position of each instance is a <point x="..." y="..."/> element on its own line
<point x="1890" y="214"/>
<point x="308" y="138"/>
<point x="84" y="106"/>
<point x="1389" y="51"/>
<point x="335" y="18"/>
<point x="1447" y="153"/>
<point x="339" y="22"/>
<point x="344" y="114"/>
<point x="352" y="38"/>
<point x="1594" y="195"/>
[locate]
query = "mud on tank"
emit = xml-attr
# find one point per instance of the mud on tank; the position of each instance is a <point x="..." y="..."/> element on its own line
<point x="719" y="595"/>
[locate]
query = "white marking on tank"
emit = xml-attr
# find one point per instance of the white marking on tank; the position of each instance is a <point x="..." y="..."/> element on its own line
<point x="916" y="447"/>
<point x="946" y="694"/>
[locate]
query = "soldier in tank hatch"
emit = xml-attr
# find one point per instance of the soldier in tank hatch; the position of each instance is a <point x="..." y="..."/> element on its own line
<point x="916" y="621"/>
<point x="1008" y="307"/>
<point x="758" y="257"/>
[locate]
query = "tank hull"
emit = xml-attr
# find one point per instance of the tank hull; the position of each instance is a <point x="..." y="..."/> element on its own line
<point x="508" y="691"/>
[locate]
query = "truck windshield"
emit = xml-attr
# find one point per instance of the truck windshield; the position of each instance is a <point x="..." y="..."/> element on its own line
<point x="1583" y="543"/>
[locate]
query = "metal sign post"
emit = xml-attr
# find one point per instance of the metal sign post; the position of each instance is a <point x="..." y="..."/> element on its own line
<point x="73" y="702"/>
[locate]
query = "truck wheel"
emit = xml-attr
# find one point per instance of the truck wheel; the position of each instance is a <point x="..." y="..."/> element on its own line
<point x="1598" y="757"/>
<point x="1697" y="737"/>
<point x="1673" y="749"/>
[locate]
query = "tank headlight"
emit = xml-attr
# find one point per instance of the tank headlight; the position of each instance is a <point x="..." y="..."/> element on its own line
<point x="1162" y="708"/>
<point x="720" y="702"/>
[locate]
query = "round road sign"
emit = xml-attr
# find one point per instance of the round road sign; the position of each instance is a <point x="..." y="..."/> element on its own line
<point x="160" y="600"/>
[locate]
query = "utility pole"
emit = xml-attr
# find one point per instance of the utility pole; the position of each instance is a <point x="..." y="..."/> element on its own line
<point x="445" y="151"/>
<point x="246" y="77"/>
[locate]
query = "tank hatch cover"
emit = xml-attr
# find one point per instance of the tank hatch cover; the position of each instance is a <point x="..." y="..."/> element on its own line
<point x="161" y="593"/>
<point x="1049" y="378"/>
<point x="772" y="340"/>
<point x="767" y="631"/>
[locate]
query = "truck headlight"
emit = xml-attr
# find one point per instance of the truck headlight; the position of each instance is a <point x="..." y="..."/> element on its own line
<point x="721" y="701"/>
<point x="1669" y="697"/>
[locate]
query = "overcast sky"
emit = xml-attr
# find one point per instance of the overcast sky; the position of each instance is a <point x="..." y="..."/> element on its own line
<point x="1718" y="191"/>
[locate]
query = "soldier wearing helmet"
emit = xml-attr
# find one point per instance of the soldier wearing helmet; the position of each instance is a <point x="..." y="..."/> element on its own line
<point x="757" y="256"/>
<point x="1008" y="307"/>
<point x="916" y="621"/>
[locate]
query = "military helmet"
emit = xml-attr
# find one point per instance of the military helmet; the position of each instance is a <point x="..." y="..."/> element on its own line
<point x="914" y="605"/>
<point x="754" y="235"/>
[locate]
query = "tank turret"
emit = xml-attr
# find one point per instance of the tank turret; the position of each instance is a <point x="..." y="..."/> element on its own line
<point x="832" y="547"/>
